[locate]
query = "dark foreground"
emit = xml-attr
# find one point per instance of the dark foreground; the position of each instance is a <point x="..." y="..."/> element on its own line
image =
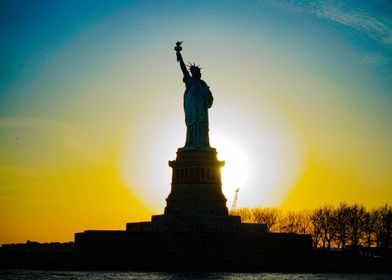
<point x="314" y="262"/>
<point x="22" y="274"/>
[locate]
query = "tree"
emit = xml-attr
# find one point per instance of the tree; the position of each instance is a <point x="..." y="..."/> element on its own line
<point x="328" y="225"/>
<point x="244" y="213"/>
<point x="268" y="216"/>
<point x="305" y="224"/>
<point x="384" y="238"/>
<point x="295" y="222"/>
<point x="341" y="225"/>
<point x="370" y="227"/>
<point x="316" y="219"/>
<point x="355" y="221"/>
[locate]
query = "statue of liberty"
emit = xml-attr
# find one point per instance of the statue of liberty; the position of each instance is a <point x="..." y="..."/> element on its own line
<point x="197" y="99"/>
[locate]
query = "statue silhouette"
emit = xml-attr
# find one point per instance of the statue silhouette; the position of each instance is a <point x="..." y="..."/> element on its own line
<point x="197" y="100"/>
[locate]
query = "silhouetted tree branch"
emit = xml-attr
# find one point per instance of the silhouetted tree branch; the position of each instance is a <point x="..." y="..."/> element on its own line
<point x="268" y="216"/>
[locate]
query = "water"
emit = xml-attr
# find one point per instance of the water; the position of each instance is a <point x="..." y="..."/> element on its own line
<point x="16" y="274"/>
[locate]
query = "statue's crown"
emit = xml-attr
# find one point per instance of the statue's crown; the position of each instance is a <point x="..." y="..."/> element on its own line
<point x="194" y="67"/>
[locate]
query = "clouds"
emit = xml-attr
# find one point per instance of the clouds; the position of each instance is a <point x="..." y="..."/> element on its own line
<point x="366" y="27"/>
<point x="353" y="15"/>
<point x="358" y="19"/>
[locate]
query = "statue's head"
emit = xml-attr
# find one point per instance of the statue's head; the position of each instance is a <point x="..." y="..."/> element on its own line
<point x="195" y="71"/>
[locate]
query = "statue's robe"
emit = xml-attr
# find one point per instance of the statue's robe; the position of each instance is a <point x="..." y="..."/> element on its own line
<point x="197" y="99"/>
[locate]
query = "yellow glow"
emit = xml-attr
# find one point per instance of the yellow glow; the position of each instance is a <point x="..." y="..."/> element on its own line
<point x="52" y="205"/>
<point x="235" y="173"/>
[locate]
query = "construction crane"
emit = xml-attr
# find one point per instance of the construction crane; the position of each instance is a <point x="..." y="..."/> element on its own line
<point x="233" y="207"/>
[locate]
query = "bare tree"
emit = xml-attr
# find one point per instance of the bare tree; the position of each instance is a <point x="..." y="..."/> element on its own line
<point x="268" y="216"/>
<point x="370" y="227"/>
<point x="385" y="227"/>
<point x="295" y="222"/>
<point x="355" y="222"/>
<point x="317" y="219"/>
<point x="288" y="222"/>
<point x="245" y="213"/>
<point x="341" y="225"/>
<point x="378" y="229"/>
<point x="329" y="225"/>
<point x="305" y="223"/>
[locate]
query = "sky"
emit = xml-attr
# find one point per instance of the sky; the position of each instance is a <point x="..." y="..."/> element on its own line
<point x="91" y="106"/>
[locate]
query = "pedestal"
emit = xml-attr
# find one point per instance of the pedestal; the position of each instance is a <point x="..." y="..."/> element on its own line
<point x="196" y="187"/>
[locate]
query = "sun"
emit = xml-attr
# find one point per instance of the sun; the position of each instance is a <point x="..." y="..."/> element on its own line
<point x="235" y="173"/>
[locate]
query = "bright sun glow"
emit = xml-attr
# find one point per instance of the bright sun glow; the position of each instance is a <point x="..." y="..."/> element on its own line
<point x="263" y="159"/>
<point x="235" y="173"/>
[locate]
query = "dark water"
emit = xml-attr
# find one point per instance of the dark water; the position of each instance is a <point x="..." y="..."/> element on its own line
<point x="91" y="275"/>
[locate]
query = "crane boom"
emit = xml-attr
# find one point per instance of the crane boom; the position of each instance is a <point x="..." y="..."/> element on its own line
<point x="234" y="206"/>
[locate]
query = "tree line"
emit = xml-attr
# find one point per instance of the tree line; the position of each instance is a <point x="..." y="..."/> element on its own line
<point x="331" y="226"/>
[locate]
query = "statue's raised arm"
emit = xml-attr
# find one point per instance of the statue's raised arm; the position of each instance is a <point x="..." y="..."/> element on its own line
<point x="178" y="50"/>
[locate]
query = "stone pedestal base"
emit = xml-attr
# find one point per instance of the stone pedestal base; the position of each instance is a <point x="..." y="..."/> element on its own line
<point x="196" y="187"/>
